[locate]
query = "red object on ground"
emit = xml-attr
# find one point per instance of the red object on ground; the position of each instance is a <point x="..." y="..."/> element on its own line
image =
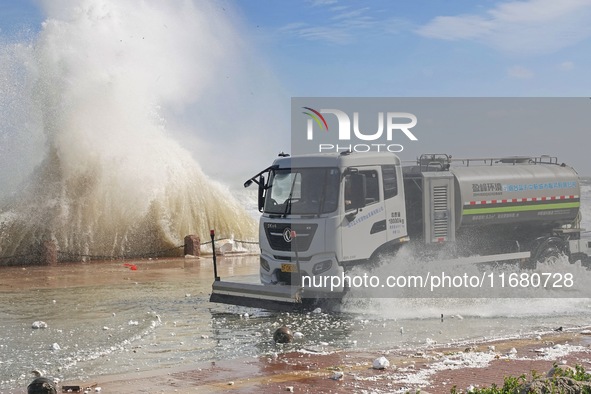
<point x="133" y="267"/>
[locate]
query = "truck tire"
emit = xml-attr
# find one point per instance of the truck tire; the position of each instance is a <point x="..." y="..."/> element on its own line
<point x="549" y="255"/>
<point x="547" y="249"/>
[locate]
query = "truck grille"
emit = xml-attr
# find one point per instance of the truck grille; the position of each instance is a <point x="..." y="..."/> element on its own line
<point x="440" y="209"/>
<point x="275" y="233"/>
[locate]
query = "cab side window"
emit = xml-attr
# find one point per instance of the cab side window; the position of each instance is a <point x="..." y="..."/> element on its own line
<point x="372" y="188"/>
<point x="390" y="183"/>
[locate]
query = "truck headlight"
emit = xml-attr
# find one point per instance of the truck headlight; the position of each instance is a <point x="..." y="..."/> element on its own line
<point x="321" y="267"/>
<point x="265" y="264"/>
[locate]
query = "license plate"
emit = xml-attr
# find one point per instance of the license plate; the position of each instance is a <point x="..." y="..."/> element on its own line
<point x="288" y="268"/>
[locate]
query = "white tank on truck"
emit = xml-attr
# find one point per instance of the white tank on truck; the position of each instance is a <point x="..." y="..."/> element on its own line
<point x="491" y="204"/>
<point x="521" y="193"/>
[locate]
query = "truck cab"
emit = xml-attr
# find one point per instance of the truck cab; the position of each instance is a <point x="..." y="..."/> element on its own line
<point x="323" y="213"/>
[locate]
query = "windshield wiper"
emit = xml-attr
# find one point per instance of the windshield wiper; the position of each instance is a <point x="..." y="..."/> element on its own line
<point x="289" y="198"/>
<point x="287" y="206"/>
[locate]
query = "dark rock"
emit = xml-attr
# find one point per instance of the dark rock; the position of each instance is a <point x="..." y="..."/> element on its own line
<point x="559" y="370"/>
<point x="561" y="384"/>
<point x="41" y="386"/>
<point x="283" y="335"/>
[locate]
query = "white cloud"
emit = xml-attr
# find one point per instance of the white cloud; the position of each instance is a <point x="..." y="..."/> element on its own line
<point x="520" y="72"/>
<point x="343" y="26"/>
<point x="566" y="66"/>
<point x="348" y="14"/>
<point x="530" y="26"/>
<point x="331" y="34"/>
<point x="317" y="3"/>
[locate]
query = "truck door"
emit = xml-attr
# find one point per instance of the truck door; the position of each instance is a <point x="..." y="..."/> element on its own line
<point x="393" y="192"/>
<point x="365" y="229"/>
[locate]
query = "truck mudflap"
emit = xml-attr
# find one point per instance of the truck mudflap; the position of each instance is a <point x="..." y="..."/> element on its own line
<point x="271" y="297"/>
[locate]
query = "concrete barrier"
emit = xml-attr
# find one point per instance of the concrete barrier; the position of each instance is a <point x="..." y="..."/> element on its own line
<point x="48" y="253"/>
<point x="192" y="245"/>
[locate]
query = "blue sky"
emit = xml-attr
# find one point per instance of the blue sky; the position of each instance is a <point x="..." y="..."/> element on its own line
<point x="433" y="48"/>
<point x="408" y="48"/>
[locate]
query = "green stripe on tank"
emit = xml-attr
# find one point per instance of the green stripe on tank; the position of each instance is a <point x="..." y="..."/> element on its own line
<point x="533" y="207"/>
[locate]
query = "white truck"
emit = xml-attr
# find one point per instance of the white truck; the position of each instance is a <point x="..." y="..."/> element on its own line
<point x="324" y="213"/>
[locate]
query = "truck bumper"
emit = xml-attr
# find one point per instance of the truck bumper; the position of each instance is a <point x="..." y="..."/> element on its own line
<point x="315" y="272"/>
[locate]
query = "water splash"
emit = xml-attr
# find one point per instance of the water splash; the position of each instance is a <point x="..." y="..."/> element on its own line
<point x="490" y="301"/>
<point x="95" y="89"/>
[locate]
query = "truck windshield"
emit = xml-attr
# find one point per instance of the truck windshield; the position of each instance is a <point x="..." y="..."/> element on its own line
<point x="303" y="191"/>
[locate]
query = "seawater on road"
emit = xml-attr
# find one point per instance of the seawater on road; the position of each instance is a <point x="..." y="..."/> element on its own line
<point x="105" y="318"/>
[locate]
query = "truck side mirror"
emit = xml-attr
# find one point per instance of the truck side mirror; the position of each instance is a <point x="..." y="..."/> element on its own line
<point x="261" y="201"/>
<point x="356" y="194"/>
